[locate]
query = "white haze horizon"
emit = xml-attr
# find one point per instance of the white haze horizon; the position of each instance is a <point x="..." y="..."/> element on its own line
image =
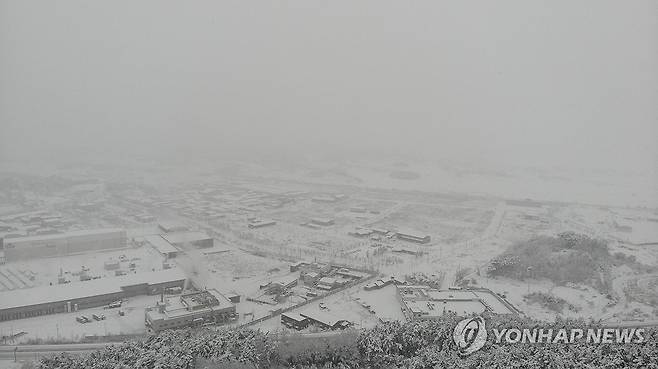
<point x="509" y="85"/>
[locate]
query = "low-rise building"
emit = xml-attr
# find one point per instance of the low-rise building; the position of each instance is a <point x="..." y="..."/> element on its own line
<point x="361" y="232"/>
<point x="191" y="309"/>
<point x="413" y="236"/>
<point x="294" y="321"/>
<point x="288" y="282"/>
<point x="297" y="266"/>
<point x="324" y="320"/>
<point x="322" y="221"/>
<point x="234" y="297"/>
<point x="316" y="267"/>
<point x="183" y="239"/>
<point x="350" y="274"/>
<point x="310" y="278"/>
<point x="162" y="246"/>
<point x="259" y="223"/>
<point x="380" y="231"/>
<point x="405" y="250"/>
<point x="280" y="286"/>
<point x="327" y="283"/>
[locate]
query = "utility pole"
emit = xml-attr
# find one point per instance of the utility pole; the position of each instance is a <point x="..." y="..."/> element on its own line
<point x="529" y="271"/>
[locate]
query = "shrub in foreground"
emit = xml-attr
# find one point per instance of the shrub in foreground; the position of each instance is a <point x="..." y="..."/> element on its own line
<point x="425" y="344"/>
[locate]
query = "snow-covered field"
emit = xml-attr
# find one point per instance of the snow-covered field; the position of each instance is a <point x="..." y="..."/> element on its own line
<point x="469" y="227"/>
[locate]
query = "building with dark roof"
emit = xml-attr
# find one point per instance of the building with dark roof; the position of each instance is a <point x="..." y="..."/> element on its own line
<point x="294" y="321"/>
<point x="325" y="320"/>
<point x="182" y="239"/>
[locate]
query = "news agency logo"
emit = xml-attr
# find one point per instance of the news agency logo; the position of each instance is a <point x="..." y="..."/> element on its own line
<point x="470" y="335"/>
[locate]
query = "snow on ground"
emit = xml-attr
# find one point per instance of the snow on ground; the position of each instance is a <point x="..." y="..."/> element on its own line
<point x="64" y="325"/>
<point x="467" y="232"/>
<point x="383" y="302"/>
<point x="6" y="364"/>
<point x="342" y="305"/>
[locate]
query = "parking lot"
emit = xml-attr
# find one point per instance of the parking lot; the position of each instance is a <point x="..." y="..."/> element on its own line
<point x="65" y="327"/>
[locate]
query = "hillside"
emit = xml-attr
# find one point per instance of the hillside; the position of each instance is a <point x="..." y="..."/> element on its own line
<point x="568" y="257"/>
<point x="391" y="345"/>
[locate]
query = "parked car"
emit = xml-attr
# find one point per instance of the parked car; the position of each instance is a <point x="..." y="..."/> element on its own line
<point x="322" y="306"/>
<point x="98" y="317"/>
<point x="82" y="319"/>
<point x="114" y="304"/>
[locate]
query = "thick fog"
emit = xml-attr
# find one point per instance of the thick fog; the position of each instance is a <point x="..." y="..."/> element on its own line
<point x="176" y="174"/>
<point x="557" y="83"/>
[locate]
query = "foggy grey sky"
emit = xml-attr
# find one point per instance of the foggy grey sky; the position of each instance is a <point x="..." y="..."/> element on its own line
<point x="546" y="83"/>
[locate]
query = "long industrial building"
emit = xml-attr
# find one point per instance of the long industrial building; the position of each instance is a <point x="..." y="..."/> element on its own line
<point x="69" y="297"/>
<point x="184" y="239"/>
<point x="163" y="247"/>
<point x="63" y="244"/>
